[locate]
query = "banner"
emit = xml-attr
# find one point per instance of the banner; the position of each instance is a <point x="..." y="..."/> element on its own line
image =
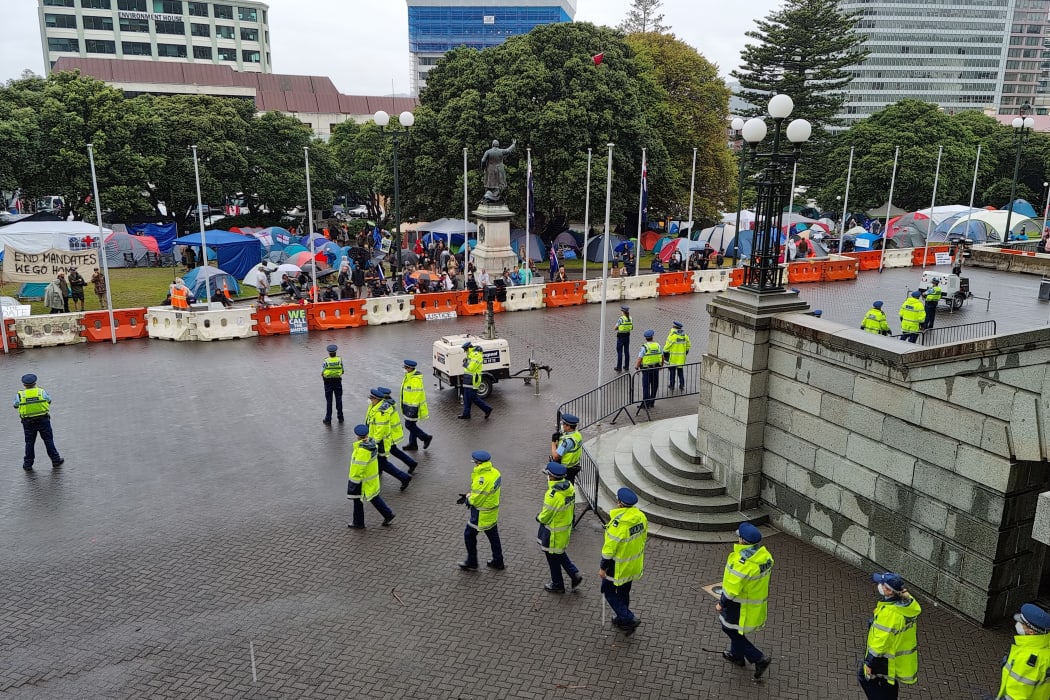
<point x="20" y="266"/>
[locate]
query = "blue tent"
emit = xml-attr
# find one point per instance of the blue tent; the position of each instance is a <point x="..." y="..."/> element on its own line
<point x="1021" y="207"/>
<point x="194" y="279"/>
<point x="236" y="254"/>
<point x="164" y="234"/>
<point x="595" y="251"/>
<point x="742" y="241"/>
<point x="537" y="251"/>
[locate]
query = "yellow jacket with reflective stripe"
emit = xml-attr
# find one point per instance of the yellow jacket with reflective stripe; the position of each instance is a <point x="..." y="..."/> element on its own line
<point x="653" y="355"/>
<point x="892" y="645"/>
<point x="364" y="469"/>
<point x="475" y="361"/>
<point x="677" y="346"/>
<point x="573" y="453"/>
<point x="746" y="582"/>
<point x="333" y="368"/>
<point x="623" y="552"/>
<point x="485" y="482"/>
<point x="934" y="293"/>
<point x="556" y="516"/>
<point x="397" y="430"/>
<point x="379" y="427"/>
<point x="875" y="322"/>
<point x="912" y="314"/>
<point x="413" y="394"/>
<point x="32" y="403"/>
<point x="1026" y="669"/>
<point x="624" y="324"/>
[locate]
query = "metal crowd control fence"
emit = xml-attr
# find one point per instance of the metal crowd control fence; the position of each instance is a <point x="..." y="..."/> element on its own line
<point x="955" y="334"/>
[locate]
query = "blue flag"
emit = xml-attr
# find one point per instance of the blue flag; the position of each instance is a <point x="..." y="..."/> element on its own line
<point x="554" y="260"/>
<point x="377" y="237"/>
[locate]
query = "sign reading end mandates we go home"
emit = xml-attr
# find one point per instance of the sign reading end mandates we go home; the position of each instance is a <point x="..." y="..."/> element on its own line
<point x="20" y="266"/>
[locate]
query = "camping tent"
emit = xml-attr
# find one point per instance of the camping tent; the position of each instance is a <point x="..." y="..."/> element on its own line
<point x="163" y="234"/>
<point x="595" y="252"/>
<point x="993" y="223"/>
<point x="718" y="236"/>
<point x="880" y="212"/>
<point x="974" y="231"/>
<point x="38" y="236"/>
<point x="194" y="279"/>
<point x="537" y="251"/>
<point x="740" y="245"/>
<point x="1023" y="208"/>
<point x="747" y="218"/>
<point x="118" y="244"/>
<point x="236" y="253"/>
<point x="449" y="226"/>
<point x="566" y="239"/>
<point x="659" y="245"/>
<point x="649" y="239"/>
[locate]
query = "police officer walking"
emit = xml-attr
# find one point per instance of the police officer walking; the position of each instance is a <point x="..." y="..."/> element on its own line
<point x="34" y="408"/>
<point x="892" y="655"/>
<point x="650" y="359"/>
<point x="1026" y="669"/>
<point x="555" y="519"/>
<point x="623" y="558"/>
<point x="744" y="601"/>
<point x="379" y="420"/>
<point x="483" y="503"/>
<point x="472" y="364"/>
<point x="332" y="375"/>
<point x="675" y="350"/>
<point x="362" y="482"/>
<point x="414" y="407"/>
<point x="932" y="297"/>
<point x="567" y="446"/>
<point x="875" y="320"/>
<point x="624" y="326"/>
<point x="397" y="430"/>
<point x="913" y="315"/>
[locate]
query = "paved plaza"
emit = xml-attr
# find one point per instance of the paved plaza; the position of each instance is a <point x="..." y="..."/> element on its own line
<point x="194" y="545"/>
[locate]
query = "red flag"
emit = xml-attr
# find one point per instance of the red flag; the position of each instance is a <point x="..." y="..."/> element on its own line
<point x="598" y="59"/>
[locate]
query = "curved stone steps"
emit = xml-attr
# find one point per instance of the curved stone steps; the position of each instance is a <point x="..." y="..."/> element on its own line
<point x="636" y="464"/>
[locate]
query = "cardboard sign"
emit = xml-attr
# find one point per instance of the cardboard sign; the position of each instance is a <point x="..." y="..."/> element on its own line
<point x="20" y="266"/>
<point x="440" y="316"/>
<point x="16" y="311"/>
<point x="297" y="321"/>
<point x="943" y="259"/>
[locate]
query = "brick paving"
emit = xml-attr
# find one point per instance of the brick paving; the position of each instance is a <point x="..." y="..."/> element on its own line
<point x="201" y="514"/>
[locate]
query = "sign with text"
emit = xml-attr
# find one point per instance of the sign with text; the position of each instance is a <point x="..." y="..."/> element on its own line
<point x="156" y="17"/>
<point x="297" y="321"/>
<point x="20" y="266"/>
<point x="943" y="259"/>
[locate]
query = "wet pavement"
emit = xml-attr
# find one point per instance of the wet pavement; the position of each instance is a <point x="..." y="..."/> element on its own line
<point x="199" y="525"/>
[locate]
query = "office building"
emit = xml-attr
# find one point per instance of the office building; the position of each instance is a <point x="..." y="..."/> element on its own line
<point x="234" y="33"/>
<point x="438" y="26"/>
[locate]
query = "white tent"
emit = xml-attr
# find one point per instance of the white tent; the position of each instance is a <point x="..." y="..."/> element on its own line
<point x="38" y="236"/>
<point x="945" y="211"/>
<point x="995" y="221"/>
<point x="718" y="236"/>
<point x="747" y="219"/>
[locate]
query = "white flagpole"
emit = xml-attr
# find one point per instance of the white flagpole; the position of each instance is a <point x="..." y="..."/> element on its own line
<point x="310" y="216"/>
<point x="889" y="206"/>
<point x="973" y="192"/>
<point x="845" y="203"/>
<point x="791" y="197"/>
<point x="587" y="215"/>
<point x="605" y="264"/>
<point x="692" y="190"/>
<point x="101" y="246"/>
<point x="638" y="242"/>
<point x="466" y="221"/>
<point x="528" y="201"/>
<point x="1046" y="210"/>
<point x="933" y="203"/>
<point x="200" y="216"/>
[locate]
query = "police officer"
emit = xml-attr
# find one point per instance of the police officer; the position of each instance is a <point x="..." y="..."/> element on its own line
<point x="913" y="315"/>
<point x="567" y="446"/>
<point x="379" y="420"/>
<point x="483" y="503"/>
<point x="892" y="655"/>
<point x="744" y="601"/>
<point x="34" y="408"/>
<point x="471" y="381"/>
<point x="650" y="359"/>
<point x="624" y="326"/>
<point x="414" y="406"/>
<point x="362" y="482"/>
<point x="555" y="519"/>
<point x="675" y="350"/>
<point x="397" y="431"/>
<point x="932" y="297"/>
<point x="1026" y="669"/>
<point x="875" y="320"/>
<point x="623" y="557"/>
<point x="332" y="376"/>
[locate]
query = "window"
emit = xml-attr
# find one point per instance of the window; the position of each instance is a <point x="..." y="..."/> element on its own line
<point x="167" y="7"/>
<point x="96" y="22"/>
<point x="251" y="57"/>
<point x="249" y="34"/>
<point x="202" y="52"/>
<point x="200" y="30"/>
<point x="134" y="25"/>
<point x="223" y="32"/>
<point x="198" y="9"/>
<point x="223" y="11"/>
<point x="170" y="27"/>
<point x="247" y="14"/>
<point x="63" y="45"/>
<point x="136" y="48"/>
<point x="100" y="46"/>
<point x="58" y="3"/>
<point x="171" y="50"/>
<point x="227" y="54"/>
<point x="132" y="5"/>
<point x="61" y="21"/>
<point x="95" y="4"/>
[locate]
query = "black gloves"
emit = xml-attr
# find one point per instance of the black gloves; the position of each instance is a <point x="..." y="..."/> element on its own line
<point x="462" y="499"/>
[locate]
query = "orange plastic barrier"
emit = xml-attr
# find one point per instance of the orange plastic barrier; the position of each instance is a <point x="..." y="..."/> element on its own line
<point x="736" y="277"/>
<point x="930" y="254"/>
<point x="869" y="259"/>
<point x="804" y="271"/>
<point x="273" y="320"/>
<point x="434" y="303"/>
<point x="563" y="294"/>
<point x="12" y="337"/>
<point x="671" y="283"/>
<point x="131" y="323"/>
<point x="837" y="270"/>
<point x="465" y="308"/>
<point x="330" y="315"/>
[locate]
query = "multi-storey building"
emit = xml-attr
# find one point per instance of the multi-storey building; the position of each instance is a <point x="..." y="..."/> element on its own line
<point x="233" y="33"/>
<point x="438" y="26"/>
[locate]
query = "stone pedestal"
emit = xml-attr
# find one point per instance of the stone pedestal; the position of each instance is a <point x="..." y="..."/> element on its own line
<point x="493" y="252"/>
<point x="733" y="383"/>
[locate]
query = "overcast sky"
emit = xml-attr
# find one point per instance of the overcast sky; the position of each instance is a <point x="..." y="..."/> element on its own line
<point x="362" y="45"/>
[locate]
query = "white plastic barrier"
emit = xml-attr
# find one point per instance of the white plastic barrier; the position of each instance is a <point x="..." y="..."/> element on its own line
<point x="897" y="258"/>
<point x="641" y="287"/>
<point x="224" y="325"/>
<point x="524" y="298"/>
<point x="711" y="280"/>
<point x="50" y="330"/>
<point x="168" y="324"/>
<point x="594" y="289"/>
<point x="382" y="310"/>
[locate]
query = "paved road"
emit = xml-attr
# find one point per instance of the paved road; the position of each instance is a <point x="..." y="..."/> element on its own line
<point x="200" y="517"/>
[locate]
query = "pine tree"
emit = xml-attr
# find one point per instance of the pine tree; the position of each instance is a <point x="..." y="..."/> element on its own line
<point x="643" y="17"/>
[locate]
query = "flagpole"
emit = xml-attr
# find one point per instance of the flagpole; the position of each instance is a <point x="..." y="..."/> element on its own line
<point x="641" y="208"/>
<point x="845" y="203"/>
<point x="528" y="203"/>
<point x="889" y="205"/>
<point x="310" y="216"/>
<point x="692" y="190"/>
<point x="605" y="264"/>
<point x="973" y="192"/>
<point x="200" y="216"/>
<point x="587" y="215"/>
<point x="101" y="247"/>
<point x="791" y="197"/>
<point x="466" y="221"/>
<point x="933" y="202"/>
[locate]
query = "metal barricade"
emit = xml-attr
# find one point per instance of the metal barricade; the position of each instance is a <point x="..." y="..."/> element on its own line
<point x="955" y="334"/>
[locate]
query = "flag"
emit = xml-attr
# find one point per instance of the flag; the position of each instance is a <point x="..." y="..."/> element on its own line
<point x="645" y="197"/>
<point x="531" y="194"/>
<point x="598" y="58"/>
<point x="377" y="237"/>
<point x="553" y="258"/>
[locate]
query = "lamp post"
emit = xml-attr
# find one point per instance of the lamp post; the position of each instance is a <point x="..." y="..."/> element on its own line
<point x="1046" y="205"/>
<point x="1022" y="129"/>
<point x="382" y="120"/>
<point x="763" y="272"/>
<point x="738" y="126"/>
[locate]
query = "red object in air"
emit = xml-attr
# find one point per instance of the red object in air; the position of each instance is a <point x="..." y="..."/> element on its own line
<point x="598" y="59"/>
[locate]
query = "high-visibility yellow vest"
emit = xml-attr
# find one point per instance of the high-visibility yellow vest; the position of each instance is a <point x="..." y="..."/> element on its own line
<point x="364" y="469"/>
<point x="333" y="368"/>
<point x="746" y="581"/>
<point x="875" y="322"/>
<point x="397" y="430"/>
<point x="414" y="395"/>
<point x="32" y="404"/>
<point x="378" y="422"/>
<point x="677" y="346"/>
<point x="653" y="355"/>
<point x="934" y="293"/>
<point x="1026" y="673"/>
<point x="475" y="361"/>
<point x="625" y="537"/>
<point x="485" y="482"/>
<point x="892" y="637"/>
<point x="557" y="514"/>
<point x="624" y="324"/>
<point x="912" y="313"/>
<point x="574" y="448"/>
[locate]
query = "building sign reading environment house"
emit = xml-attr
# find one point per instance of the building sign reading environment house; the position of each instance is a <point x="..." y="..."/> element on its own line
<point x="149" y="15"/>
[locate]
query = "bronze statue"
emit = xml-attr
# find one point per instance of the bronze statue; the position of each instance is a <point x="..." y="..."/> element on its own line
<point x="495" y="172"/>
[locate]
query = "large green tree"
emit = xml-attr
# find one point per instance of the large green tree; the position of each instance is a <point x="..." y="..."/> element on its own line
<point x="363" y="164"/>
<point x="644" y="16"/>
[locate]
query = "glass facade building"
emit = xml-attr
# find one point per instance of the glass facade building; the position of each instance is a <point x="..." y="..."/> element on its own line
<point x="438" y="26"/>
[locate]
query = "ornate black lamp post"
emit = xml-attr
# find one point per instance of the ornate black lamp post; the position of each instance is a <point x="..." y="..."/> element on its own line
<point x="763" y="272"/>
<point x="1022" y="130"/>
<point x="407" y="119"/>
<point x="737" y="125"/>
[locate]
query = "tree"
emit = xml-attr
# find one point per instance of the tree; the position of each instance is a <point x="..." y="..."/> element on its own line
<point x="362" y="164"/>
<point x="643" y="17"/>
